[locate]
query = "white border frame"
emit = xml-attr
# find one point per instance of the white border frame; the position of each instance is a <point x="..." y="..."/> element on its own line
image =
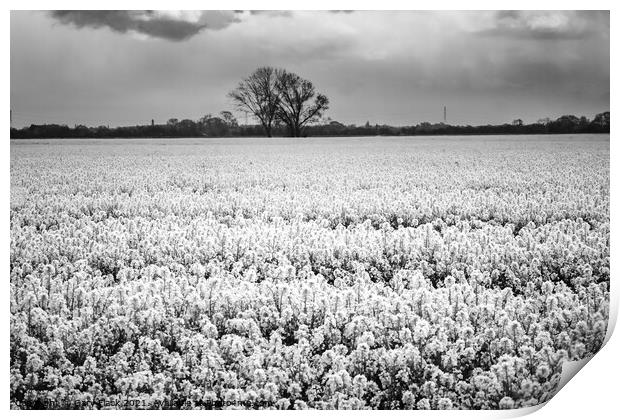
<point x="592" y="394"/>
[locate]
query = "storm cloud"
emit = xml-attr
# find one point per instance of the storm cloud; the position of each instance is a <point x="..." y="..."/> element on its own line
<point x="534" y="24"/>
<point x="173" y="26"/>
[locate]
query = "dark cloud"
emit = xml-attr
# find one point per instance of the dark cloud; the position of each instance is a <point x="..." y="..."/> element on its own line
<point x="285" y="13"/>
<point x="173" y="27"/>
<point x="547" y="25"/>
<point x="273" y="13"/>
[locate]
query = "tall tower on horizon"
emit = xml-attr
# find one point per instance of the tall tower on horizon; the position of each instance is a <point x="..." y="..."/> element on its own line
<point x="445" y="114"/>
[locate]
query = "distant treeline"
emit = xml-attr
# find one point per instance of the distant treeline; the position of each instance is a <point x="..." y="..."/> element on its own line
<point x="225" y="125"/>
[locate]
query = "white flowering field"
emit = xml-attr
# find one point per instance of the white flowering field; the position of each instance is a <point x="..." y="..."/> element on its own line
<point x="384" y="273"/>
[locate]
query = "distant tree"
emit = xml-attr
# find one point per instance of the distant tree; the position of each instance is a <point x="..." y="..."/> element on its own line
<point x="424" y="127"/>
<point x="299" y="104"/>
<point x="258" y="95"/>
<point x="518" y="122"/>
<point x="213" y="126"/>
<point x="564" y="124"/>
<point x="203" y="120"/>
<point x="544" y="121"/>
<point x="570" y="119"/>
<point x="173" y="121"/>
<point x="584" y="122"/>
<point x="187" y="123"/>
<point x="187" y="128"/>
<point x="602" y="119"/>
<point x="229" y="119"/>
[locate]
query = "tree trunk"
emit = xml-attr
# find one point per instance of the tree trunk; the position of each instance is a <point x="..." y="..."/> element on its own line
<point x="267" y="130"/>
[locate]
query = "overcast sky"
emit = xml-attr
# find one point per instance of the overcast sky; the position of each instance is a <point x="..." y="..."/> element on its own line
<point x="126" y="68"/>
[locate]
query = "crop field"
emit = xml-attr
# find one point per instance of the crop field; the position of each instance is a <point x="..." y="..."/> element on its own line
<point x="383" y="273"/>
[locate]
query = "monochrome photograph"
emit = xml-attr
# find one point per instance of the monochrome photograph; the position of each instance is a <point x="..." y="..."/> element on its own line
<point x="306" y="209"/>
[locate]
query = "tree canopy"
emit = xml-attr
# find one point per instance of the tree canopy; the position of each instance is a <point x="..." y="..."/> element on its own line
<point x="258" y="95"/>
<point x="277" y="96"/>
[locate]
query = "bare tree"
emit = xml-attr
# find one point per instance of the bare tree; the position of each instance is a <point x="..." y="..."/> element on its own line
<point x="299" y="105"/>
<point x="229" y="118"/>
<point x="257" y="94"/>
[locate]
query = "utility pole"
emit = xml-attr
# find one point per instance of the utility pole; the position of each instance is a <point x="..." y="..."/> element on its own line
<point x="445" y="115"/>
